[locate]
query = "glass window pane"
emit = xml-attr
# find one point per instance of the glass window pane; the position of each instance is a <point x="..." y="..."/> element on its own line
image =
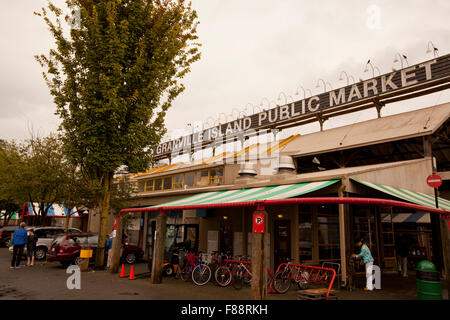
<point x="149" y="185"/>
<point x="216" y="175"/>
<point x="305" y="237"/>
<point x="141" y="185"/>
<point x="178" y="181"/>
<point x="329" y="252"/>
<point x="167" y="183"/>
<point x="329" y="236"/>
<point x="189" y="179"/>
<point x="203" y="178"/>
<point x="158" y="184"/>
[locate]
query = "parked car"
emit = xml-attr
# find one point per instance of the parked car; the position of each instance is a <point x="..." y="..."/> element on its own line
<point x="45" y="236"/>
<point x="66" y="249"/>
<point x="6" y="234"/>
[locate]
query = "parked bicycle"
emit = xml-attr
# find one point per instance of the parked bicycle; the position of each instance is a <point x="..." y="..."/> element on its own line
<point x="288" y="274"/>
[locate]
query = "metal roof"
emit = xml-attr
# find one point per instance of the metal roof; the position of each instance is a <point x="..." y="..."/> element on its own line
<point x="397" y="127"/>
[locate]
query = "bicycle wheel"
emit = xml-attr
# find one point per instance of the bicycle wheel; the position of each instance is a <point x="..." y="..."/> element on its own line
<point x="303" y="282"/>
<point x="223" y="276"/>
<point x="201" y="274"/>
<point x="185" y="273"/>
<point x="237" y="282"/>
<point x="281" y="282"/>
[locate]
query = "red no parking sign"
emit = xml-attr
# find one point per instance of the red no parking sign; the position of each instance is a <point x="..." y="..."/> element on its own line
<point x="258" y="223"/>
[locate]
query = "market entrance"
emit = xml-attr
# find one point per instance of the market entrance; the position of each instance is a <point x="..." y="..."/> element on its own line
<point x="282" y="241"/>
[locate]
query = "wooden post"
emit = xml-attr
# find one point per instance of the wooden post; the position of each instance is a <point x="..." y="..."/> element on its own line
<point x="116" y="247"/>
<point x="158" y="248"/>
<point x="259" y="273"/>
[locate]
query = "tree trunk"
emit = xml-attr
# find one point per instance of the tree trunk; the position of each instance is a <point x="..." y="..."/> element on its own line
<point x="104" y="212"/>
<point x="116" y="246"/>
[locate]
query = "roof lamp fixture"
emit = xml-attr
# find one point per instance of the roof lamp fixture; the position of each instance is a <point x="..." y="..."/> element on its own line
<point x="366" y="69"/>
<point x="259" y="109"/>
<point x="268" y="103"/>
<point x="225" y="217"/>
<point x="315" y="160"/>
<point x="280" y="216"/>
<point x="242" y="114"/>
<point x="401" y="56"/>
<point x="285" y="97"/>
<point x="346" y="77"/>
<point x="324" y="85"/>
<point x="213" y="121"/>
<point x="232" y="113"/>
<point x="226" y="117"/>
<point x="435" y="50"/>
<point x="303" y="89"/>
<point x="246" y="110"/>
<point x="310" y="92"/>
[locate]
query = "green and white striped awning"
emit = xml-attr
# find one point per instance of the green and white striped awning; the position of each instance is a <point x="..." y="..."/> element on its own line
<point x="250" y="194"/>
<point x="408" y="195"/>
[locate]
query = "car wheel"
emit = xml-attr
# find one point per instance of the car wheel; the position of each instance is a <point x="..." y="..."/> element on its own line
<point x="131" y="258"/>
<point x="168" y="270"/>
<point x="40" y="253"/>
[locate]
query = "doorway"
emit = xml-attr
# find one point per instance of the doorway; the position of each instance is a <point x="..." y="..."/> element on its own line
<point x="282" y="241"/>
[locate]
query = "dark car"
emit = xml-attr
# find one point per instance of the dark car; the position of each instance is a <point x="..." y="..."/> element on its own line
<point x="66" y="249"/>
<point x="6" y="234"/>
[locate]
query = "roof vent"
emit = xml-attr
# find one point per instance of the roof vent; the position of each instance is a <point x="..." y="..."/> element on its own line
<point x="285" y="165"/>
<point x="247" y="170"/>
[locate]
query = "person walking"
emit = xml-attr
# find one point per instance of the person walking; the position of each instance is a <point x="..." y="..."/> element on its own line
<point x="109" y="249"/>
<point x="31" y="247"/>
<point x="19" y="241"/>
<point x="368" y="261"/>
<point x="402" y="248"/>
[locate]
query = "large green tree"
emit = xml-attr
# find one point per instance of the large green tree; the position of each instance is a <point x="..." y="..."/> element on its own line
<point x="113" y="76"/>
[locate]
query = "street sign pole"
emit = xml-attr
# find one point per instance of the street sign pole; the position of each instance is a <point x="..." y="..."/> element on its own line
<point x="436" y="197"/>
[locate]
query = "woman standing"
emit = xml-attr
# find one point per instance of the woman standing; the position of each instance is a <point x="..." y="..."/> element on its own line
<point x="368" y="261"/>
<point x="31" y="247"/>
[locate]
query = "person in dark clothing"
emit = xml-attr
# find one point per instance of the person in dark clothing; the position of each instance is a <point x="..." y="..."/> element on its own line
<point x="31" y="248"/>
<point x="402" y="248"/>
<point x="19" y="241"/>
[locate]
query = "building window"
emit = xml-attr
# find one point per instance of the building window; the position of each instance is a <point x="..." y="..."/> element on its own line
<point x="168" y="183"/>
<point x="149" y="186"/>
<point x="305" y="233"/>
<point x="189" y="179"/>
<point x="158" y="184"/>
<point x="216" y="176"/>
<point x="178" y="181"/>
<point x="203" y="178"/>
<point x="141" y="186"/>
<point x="328" y="228"/>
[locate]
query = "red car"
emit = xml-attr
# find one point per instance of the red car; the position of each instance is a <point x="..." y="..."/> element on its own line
<point x="66" y="249"/>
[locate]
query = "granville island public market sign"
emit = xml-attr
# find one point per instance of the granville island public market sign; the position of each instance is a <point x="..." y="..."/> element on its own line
<point x="374" y="88"/>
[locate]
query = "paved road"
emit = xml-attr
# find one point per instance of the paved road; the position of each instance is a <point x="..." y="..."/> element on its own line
<point x="48" y="281"/>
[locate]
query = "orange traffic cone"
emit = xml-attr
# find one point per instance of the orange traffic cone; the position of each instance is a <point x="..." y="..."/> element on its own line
<point x="131" y="274"/>
<point x="122" y="272"/>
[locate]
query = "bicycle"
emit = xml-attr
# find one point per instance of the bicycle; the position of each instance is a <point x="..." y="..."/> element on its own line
<point x="201" y="274"/>
<point x="242" y="275"/>
<point x="283" y="278"/>
<point x="224" y="274"/>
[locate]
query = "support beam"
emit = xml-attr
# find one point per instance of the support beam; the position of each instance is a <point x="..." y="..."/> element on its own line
<point x="259" y="273"/>
<point x="117" y="247"/>
<point x="342" y="238"/>
<point x="158" y="248"/>
<point x="445" y="238"/>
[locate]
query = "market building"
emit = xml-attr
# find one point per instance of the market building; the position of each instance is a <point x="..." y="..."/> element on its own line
<point x="320" y="191"/>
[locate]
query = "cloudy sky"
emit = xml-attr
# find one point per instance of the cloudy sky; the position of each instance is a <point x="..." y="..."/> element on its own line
<point x="252" y="49"/>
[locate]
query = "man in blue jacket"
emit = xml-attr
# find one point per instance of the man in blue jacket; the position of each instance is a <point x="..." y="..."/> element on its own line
<point x="19" y="241"/>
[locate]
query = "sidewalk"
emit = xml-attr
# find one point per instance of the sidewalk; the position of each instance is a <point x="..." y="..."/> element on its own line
<point x="48" y="281"/>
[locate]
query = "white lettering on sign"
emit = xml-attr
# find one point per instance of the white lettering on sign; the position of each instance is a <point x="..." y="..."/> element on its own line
<point x="375" y="87"/>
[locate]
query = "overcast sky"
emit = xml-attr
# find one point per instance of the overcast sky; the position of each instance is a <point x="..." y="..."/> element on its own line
<point x="251" y="49"/>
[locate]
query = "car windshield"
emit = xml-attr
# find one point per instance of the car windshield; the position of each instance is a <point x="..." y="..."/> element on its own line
<point x="59" y="239"/>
